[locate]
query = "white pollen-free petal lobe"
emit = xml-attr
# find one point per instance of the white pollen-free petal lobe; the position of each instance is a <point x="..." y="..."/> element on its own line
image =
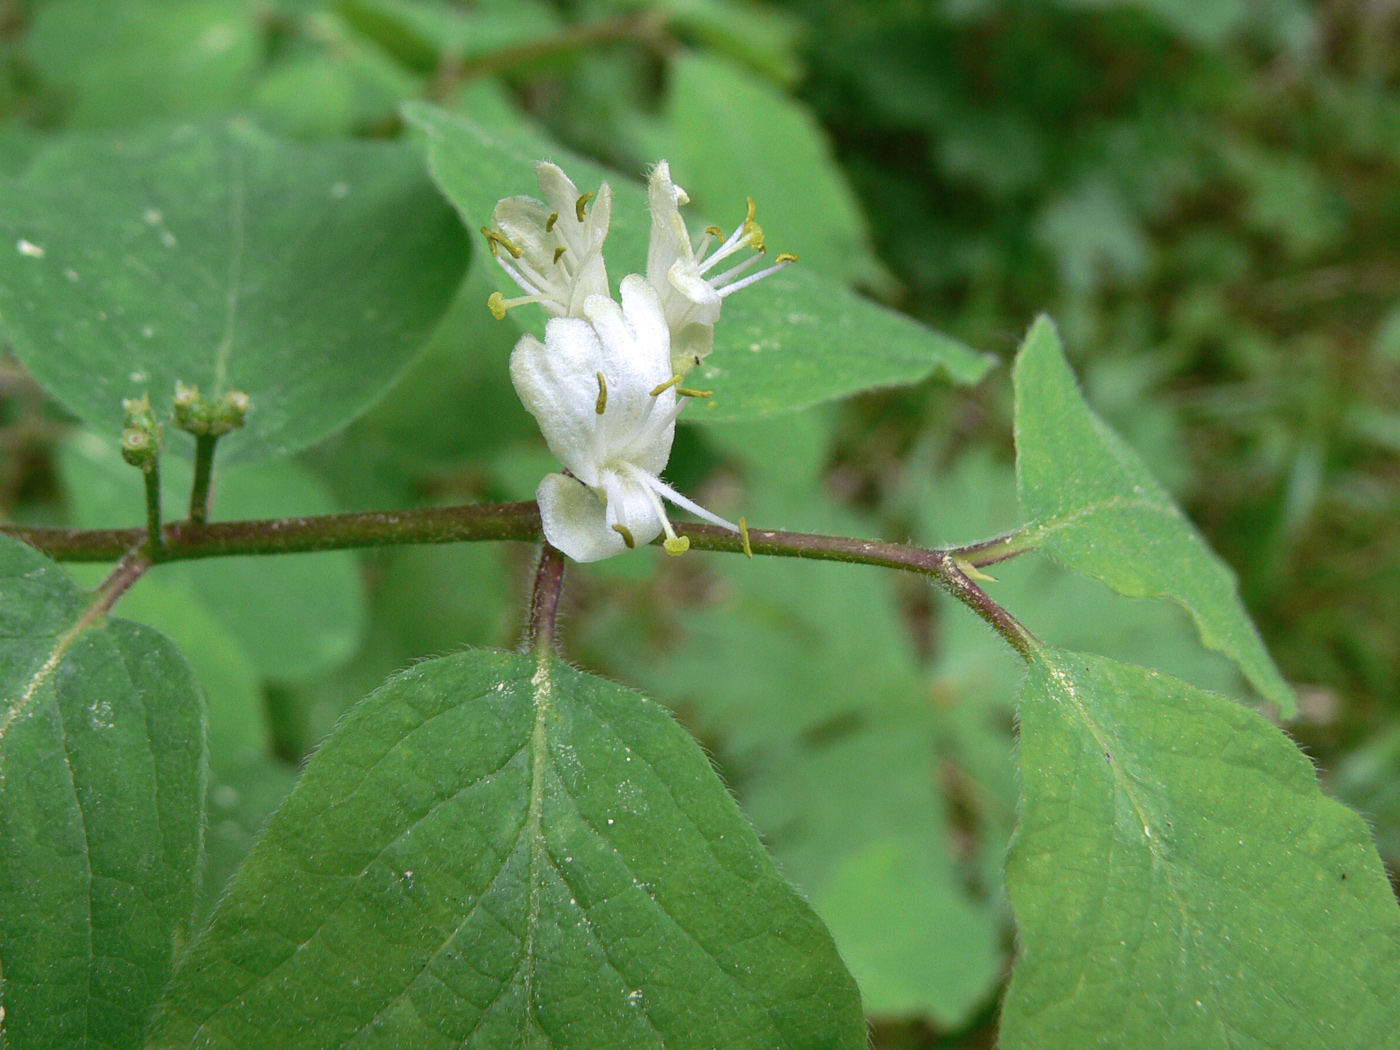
<point x="684" y="276"/>
<point x="670" y="240"/>
<point x="574" y="520"/>
<point x="557" y="381"/>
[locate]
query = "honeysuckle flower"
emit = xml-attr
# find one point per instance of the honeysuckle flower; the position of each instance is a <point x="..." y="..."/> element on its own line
<point x="690" y="295"/>
<point x="553" y="249"/>
<point x="603" y="391"/>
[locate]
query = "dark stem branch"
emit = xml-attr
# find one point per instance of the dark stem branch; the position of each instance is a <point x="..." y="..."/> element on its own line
<point x="509" y="521"/>
<point x="204" y="445"/>
<point x="130" y="569"/>
<point x="544" y="605"/>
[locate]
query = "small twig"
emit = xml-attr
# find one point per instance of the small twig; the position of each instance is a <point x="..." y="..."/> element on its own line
<point x="154" y="536"/>
<point x="544" y="604"/>
<point x="130" y="569"/>
<point x="454" y="70"/>
<point x="204" y="445"/>
<point x="521" y="521"/>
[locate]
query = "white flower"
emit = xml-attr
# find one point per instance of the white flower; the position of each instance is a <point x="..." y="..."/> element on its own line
<point x="602" y="389"/>
<point x="552" y="249"/>
<point x="691" y="299"/>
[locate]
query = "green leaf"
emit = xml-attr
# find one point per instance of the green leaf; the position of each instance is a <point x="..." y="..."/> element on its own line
<point x="734" y="136"/>
<point x="1093" y="505"/>
<point x="125" y="62"/>
<point x="794" y="339"/>
<point x="1180" y="881"/>
<point x="305" y="275"/>
<point x="297" y="615"/>
<point x="101" y="792"/>
<point x="496" y="850"/>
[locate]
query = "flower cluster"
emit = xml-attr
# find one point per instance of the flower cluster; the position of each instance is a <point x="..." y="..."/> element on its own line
<point x="604" y="385"/>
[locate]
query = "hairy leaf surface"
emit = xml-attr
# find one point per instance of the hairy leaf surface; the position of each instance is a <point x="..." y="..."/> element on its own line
<point x="101" y="794"/>
<point x="496" y="850"/>
<point x="1093" y="505"/>
<point x="1181" y="882"/>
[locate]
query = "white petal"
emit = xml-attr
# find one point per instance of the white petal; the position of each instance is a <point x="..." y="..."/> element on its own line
<point x="670" y="241"/>
<point x="575" y="521"/>
<point x="558" y="189"/>
<point x="557" y="382"/>
<point x="631" y="505"/>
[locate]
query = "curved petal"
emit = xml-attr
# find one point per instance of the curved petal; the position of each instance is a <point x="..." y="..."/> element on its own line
<point x="557" y="382"/>
<point x="575" y="521"/>
<point x="631" y="506"/>
<point x="670" y="241"/>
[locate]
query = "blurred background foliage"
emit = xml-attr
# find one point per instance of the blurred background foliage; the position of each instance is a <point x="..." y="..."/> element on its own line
<point x="1204" y="193"/>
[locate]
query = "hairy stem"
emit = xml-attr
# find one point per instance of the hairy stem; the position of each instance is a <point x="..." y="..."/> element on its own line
<point x="544" y="605"/>
<point x="203" y="474"/>
<point x="154" y="537"/>
<point x="519" y="521"/>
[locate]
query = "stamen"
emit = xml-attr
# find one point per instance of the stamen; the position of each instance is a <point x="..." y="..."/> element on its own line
<point x="686" y="503"/>
<point x="676" y="545"/>
<point x="602" y="394"/>
<point x="744" y="535"/>
<point x="494" y="239"/>
<point x="730" y="289"/>
<point x="626" y="534"/>
<point x="682" y="391"/>
<point x="578" y="207"/>
<point x="559" y="251"/>
<point x="784" y="258"/>
<point x="549" y="222"/>
<point x="715" y="231"/>
<point x="498" y="304"/>
<point x="660" y="389"/>
<point x="734" y="271"/>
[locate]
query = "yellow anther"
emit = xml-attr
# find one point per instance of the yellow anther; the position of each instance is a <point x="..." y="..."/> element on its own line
<point x="578" y="208"/>
<point x="562" y="249"/>
<point x="549" y="222"/>
<point x="785" y="257"/>
<point x="744" y="535"/>
<point x="676" y="545"/>
<point x="656" y="391"/>
<point x="753" y="232"/>
<point x="626" y="534"/>
<point x="495" y="241"/>
<point x="496" y="303"/>
<point x="715" y="231"/>
<point x="602" y="395"/>
<point x="687" y="392"/>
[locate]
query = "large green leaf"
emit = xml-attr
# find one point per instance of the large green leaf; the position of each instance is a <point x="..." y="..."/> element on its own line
<point x="1093" y="505"/>
<point x="305" y="275"/>
<point x="101" y="796"/>
<point x="1180" y="881"/>
<point x="495" y="850"/>
<point x="794" y="339"/>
